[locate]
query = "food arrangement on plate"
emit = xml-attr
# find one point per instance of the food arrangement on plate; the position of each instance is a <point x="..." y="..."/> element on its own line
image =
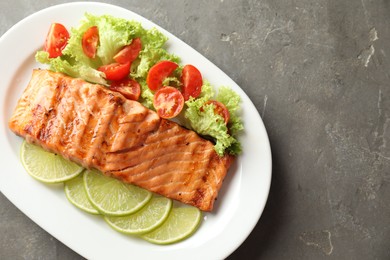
<point x="115" y="102"/>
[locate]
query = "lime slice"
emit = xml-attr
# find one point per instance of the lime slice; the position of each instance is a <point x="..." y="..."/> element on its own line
<point x="145" y="220"/>
<point x="75" y="192"/>
<point x="47" y="167"/>
<point x="113" y="197"/>
<point x="181" y="223"/>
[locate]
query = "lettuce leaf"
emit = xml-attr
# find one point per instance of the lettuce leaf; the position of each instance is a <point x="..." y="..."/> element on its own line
<point x="232" y="101"/>
<point x="146" y="95"/>
<point x="204" y="121"/>
<point x="69" y="67"/>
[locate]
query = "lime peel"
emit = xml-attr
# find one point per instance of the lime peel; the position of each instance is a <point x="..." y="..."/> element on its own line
<point x="75" y="192"/>
<point x="45" y="166"/>
<point x="151" y="216"/>
<point x="181" y="223"/>
<point x="113" y="197"/>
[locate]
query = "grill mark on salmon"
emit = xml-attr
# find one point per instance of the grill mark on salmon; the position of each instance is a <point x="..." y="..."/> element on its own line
<point x="114" y="157"/>
<point x="98" y="128"/>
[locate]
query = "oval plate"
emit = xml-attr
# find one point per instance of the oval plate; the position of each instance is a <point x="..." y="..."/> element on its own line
<point x="242" y="197"/>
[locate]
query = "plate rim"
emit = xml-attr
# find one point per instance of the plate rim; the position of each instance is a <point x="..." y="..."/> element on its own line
<point x="260" y="205"/>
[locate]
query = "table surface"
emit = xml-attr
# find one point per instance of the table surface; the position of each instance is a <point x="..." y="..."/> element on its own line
<point x="318" y="74"/>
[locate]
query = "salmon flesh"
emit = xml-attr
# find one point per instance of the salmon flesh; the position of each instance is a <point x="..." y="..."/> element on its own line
<point x="100" y="129"/>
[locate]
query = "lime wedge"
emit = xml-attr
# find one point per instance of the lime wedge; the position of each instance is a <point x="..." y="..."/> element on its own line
<point x="113" y="197"/>
<point x="75" y="192"/>
<point x="45" y="166"/>
<point x="145" y="220"/>
<point x="181" y="223"/>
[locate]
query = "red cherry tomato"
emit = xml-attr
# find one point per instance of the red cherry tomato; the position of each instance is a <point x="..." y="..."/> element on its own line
<point x="220" y="109"/>
<point x="115" y="71"/>
<point x="192" y="82"/>
<point x="90" y="41"/>
<point x="56" y="40"/>
<point x="130" y="52"/>
<point x="159" y="72"/>
<point x="168" y="102"/>
<point x="129" y="88"/>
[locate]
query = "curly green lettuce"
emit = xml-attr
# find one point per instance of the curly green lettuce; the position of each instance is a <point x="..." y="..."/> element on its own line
<point x="204" y="121"/>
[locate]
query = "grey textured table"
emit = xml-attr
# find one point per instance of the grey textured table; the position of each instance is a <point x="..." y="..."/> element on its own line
<point x="318" y="73"/>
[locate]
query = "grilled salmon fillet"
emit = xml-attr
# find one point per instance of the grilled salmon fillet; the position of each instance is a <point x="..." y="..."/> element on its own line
<point x="101" y="129"/>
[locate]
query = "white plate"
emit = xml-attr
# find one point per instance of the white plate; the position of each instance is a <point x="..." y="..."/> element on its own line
<point x="241" y="200"/>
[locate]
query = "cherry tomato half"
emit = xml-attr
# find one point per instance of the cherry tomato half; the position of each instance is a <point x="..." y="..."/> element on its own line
<point x="220" y="109"/>
<point x="115" y="71"/>
<point x="159" y="72"/>
<point x="56" y="40"/>
<point x="168" y="102"/>
<point x="130" y="52"/>
<point x="129" y="88"/>
<point x="90" y="41"/>
<point x="192" y="82"/>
